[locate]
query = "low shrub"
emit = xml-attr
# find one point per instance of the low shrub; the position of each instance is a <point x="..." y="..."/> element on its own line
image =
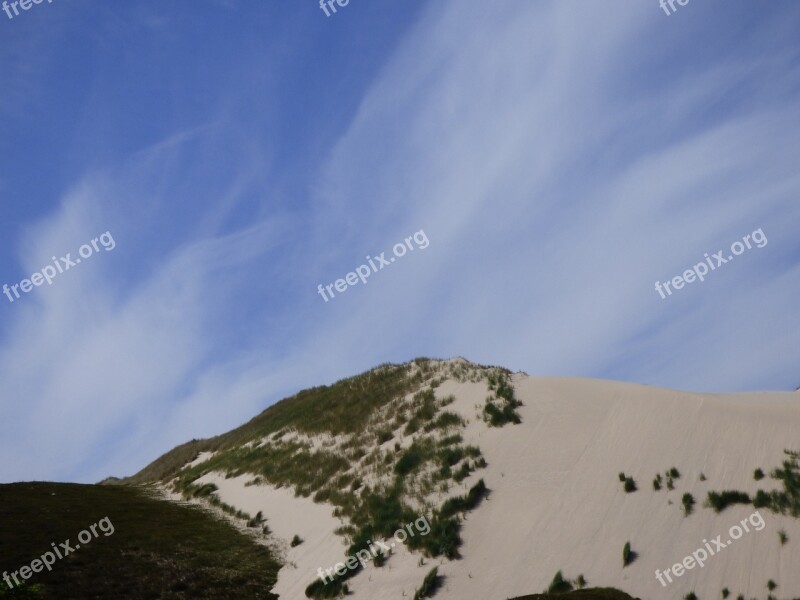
<point x="559" y="585"/>
<point x="688" y="504"/>
<point x="628" y="555"/>
<point x="458" y="504"/>
<point x="319" y="590"/>
<point x="758" y="474"/>
<point x="380" y="559"/>
<point x="719" y="501"/>
<point x="630" y="485"/>
<point x="430" y="584"/>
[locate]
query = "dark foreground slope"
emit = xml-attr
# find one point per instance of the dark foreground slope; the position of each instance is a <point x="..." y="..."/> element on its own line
<point x="157" y="550"/>
<point x="588" y="594"/>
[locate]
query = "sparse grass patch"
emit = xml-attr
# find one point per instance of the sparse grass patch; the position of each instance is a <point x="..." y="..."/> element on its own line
<point x="430" y="584"/>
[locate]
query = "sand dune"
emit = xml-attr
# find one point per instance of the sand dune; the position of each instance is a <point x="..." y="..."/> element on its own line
<point x="556" y="502"/>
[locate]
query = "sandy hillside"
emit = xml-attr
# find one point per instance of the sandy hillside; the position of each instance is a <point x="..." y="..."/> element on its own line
<point x="556" y="501"/>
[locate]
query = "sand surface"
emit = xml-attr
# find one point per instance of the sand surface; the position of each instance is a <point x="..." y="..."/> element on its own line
<point x="556" y="502"/>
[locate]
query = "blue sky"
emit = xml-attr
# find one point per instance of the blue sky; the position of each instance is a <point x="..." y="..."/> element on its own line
<point x="560" y="157"/>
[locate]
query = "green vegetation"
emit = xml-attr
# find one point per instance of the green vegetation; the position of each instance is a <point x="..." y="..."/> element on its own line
<point x="501" y="408"/>
<point x="296" y="541"/>
<point x="351" y="419"/>
<point x="657" y="482"/>
<point x="158" y="549"/>
<point x="690" y="596"/>
<point x="771" y="585"/>
<point x="582" y="594"/>
<point x="21" y="592"/>
<point x="702" y="476"/>
<point x="559" y="585"/>
<point x="719" y="501"/>
<point x="380" y="559"/>
<point x="783" y="537"/>
<point x="344" y="407"/>
<point x="424" y="411"/>
<point x="429" y="585"/>
<point x="410" y="460"/>
<point x="630" y="485"/>
<point x="621" y="477"/>
<point x="445" y="420"/>
<point x="335" y="588"/>
<point x="725" y="592"/>
<point x="688" y="504"/>
<point x="384" y="435"/>
<point x="628" y="555"/>
<point x="580" y="582"/>
<point x="787" y="500"/>
<point x="674" y="473"/>
<point x="458" y="504"/>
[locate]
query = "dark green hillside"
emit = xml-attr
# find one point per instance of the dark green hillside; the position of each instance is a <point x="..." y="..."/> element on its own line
<point x="587" y="594"/>
<point x="158" y="549"/>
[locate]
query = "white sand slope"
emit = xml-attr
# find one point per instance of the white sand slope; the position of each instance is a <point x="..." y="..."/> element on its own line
<point x="556" y="502"/>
